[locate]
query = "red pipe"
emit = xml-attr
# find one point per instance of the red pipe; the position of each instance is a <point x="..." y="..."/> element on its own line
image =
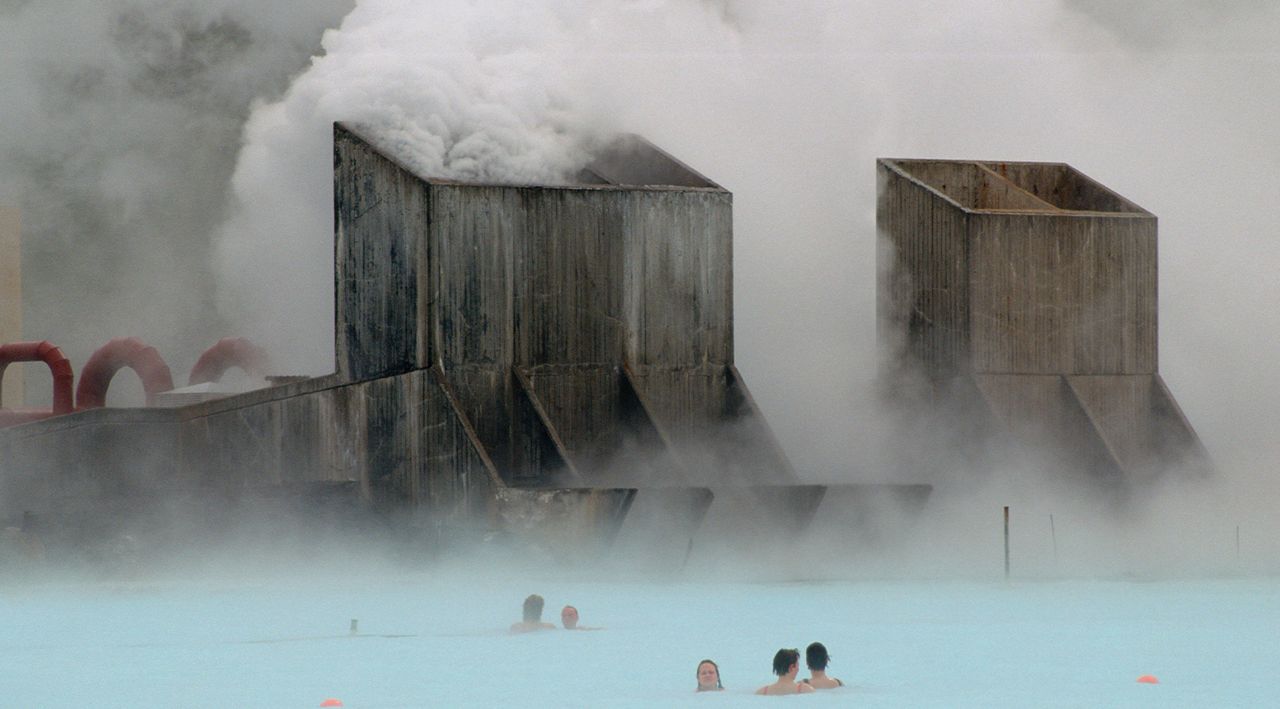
<point x="59" y="366"/>
<point x="227" y="353"/>
<point x="107" y="360"/>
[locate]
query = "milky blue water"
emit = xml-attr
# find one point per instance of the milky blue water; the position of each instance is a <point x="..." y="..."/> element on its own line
<point x="425" y="642"/>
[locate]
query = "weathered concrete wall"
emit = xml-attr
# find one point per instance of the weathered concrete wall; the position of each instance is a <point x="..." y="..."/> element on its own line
<point x="564" y="525"/>
<point x="1063" y="293"/>
<point x="12" y="387"/>
<point x="1140" y="422"/>
<point x="1040" y="285"/>
<point x="380" y="264"/>
<point x="990" y="278"/>
<point x="923" y="308"/>
<point x="532" y="301"/>
<point x="1062" y="186"/>
<point x="488" y="338"/>
<point x="1043" y="412"/>
<point x="398" y="438"/>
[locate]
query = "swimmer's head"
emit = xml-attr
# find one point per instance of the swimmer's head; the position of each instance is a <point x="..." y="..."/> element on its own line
<point x="533" y="608"/>
<point x="569" y="617"/>
<point x="785" y="660"/>
<point x="708" y="676"/>
<point x="816" y="657"/>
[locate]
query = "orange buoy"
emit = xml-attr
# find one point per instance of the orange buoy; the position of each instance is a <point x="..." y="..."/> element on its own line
<point x="1148" y="679"/>
<point x="331" y="703"/>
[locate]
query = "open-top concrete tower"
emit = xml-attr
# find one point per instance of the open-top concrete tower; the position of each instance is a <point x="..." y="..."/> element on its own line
<point x="585" y="331"/>
<point x="1026" y="292"/>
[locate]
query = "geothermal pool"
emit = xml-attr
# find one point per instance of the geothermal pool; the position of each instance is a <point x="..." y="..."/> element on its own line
<point x="424" y="641"/>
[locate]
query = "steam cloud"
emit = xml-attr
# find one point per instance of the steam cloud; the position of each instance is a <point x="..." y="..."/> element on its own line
<point x="452" y="91"/>
<point x="121" y="119"/>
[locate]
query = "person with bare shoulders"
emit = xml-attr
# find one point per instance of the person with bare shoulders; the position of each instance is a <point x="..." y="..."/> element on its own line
<point x="569" y="619"/>
<point x="786" y="664"/>
<point x="816" y="657"/>
<point x="532" y="616"/>
<point x="709" y="677"/>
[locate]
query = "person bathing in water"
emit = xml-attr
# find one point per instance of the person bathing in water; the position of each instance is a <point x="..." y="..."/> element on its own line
<point x="708" y="677"/>
<point x="569" y="619"/>
<point x="532" y="616"/>
<point x="786" y="664"/>
<point x="816" y="657"/>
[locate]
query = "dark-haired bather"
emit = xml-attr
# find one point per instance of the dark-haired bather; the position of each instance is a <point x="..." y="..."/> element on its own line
<point x="709" y="677"/>
<point x="786" y="664"/>
<point x="532" y="616"/>
<point x="816" y="657"/>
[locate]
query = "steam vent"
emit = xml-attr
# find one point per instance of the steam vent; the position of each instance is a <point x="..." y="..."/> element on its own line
<point x="1025" y="293"/>
<point x="551" y="365"/>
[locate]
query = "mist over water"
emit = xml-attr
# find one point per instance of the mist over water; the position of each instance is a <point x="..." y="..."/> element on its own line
<point x="173" y="165"/>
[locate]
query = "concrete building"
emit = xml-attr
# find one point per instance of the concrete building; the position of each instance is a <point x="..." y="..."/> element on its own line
<point x="1024" y="295"/>
<point x="541" y="362"/>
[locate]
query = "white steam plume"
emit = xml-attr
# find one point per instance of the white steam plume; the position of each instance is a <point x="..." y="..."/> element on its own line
<point x="785" y="103"/>
<point x="469" y="91"/>
<point x="788" y="104"/>
<point x="120" y="120"/>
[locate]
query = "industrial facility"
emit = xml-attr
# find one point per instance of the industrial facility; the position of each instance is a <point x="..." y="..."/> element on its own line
<point x="554" y="365"/>
<point x="539" y="362"/>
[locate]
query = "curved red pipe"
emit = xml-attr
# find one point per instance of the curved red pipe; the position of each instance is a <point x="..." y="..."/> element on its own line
<point x="227" y="353"/>
<point x="59" y="365"/>
<point x="107" y="360"/>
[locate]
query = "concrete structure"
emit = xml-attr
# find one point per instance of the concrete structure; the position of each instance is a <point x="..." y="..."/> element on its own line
<point x="1025" y="294"/>
<point x="527" y="360"/>
<point x="11" y="387"/>
<point x="586" y="332"/>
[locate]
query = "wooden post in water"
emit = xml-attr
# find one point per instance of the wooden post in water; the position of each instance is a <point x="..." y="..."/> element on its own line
<point x="1006" y="542"/>
<point x="1053" y="534"/>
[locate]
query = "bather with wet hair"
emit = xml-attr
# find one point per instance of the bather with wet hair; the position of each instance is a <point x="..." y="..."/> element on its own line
<point x="816" y="657"/>
<point x="708" y="677"/>
<point x="786" y="664"/>
<point x="532" y="616"/>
